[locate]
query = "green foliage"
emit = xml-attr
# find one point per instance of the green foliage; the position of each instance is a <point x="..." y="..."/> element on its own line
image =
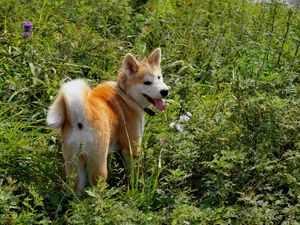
<point x="225" y="152"/>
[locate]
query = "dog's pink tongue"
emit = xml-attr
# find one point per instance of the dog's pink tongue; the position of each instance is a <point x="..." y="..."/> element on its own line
<point x="160" y="104"/>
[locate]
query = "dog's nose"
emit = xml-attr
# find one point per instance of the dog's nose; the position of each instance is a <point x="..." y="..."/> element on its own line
<point x="164" y="93"/>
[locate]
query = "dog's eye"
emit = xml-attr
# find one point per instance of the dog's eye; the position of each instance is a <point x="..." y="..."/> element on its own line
<point x="147" y="83"/>
<point x="159" y="77"/>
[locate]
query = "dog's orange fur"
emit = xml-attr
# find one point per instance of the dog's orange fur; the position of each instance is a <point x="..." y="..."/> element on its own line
<point x="113" y="118"/>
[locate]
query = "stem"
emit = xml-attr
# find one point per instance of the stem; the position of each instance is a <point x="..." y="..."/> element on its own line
<point x="275" y="10"/>
<point x="296" y="52"/>
<point x="42" y="11"/>
<point x="285" y="37"/>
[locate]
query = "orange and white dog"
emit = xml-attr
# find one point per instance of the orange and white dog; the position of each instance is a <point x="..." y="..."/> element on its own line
<point x="108" y="118"/>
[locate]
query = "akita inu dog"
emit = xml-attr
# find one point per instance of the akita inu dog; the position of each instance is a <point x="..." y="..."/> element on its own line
<point x="108" y="118"/>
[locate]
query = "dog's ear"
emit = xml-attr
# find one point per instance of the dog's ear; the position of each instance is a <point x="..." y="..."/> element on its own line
<point x="130" y="64"/>
<point x="155" y="57"/>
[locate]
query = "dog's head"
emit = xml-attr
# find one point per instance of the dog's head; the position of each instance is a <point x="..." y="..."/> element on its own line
<point x="143" y="80"/>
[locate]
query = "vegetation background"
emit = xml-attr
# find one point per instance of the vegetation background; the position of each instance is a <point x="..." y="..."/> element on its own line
<point x="225" y="152"/>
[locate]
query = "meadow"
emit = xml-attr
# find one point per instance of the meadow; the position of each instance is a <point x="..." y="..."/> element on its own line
<point x="227" y="149"/>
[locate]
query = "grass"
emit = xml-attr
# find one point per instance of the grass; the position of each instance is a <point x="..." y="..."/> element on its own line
<point x="234" y="69"/>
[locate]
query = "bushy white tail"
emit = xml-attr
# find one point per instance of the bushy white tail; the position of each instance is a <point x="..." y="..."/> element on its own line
<point x="70" y="104"/>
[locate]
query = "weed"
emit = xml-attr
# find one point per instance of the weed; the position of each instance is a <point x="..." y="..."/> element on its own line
<point x="225" y="152"/>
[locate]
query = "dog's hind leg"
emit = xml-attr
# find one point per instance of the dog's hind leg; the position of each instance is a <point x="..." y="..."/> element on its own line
<point x="98" y="168"/>
<point x="97" y="165"/>
<point x="75" y="166"/>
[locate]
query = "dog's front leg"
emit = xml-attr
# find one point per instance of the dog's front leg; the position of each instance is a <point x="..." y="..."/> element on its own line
<point x="130" y="163"/>
<point x="109" y="170"/>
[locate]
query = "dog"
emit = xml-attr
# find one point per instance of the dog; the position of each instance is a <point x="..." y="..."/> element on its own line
<point x="106" y="119"/>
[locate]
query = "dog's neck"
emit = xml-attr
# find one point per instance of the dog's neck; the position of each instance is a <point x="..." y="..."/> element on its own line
<point x="147" y="110"/>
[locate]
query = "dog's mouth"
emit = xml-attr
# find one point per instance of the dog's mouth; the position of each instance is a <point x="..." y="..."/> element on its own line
<point x="160" y="104"/>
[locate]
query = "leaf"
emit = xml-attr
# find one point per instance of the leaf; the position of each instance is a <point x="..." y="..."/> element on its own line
<point x="32" y="68"/>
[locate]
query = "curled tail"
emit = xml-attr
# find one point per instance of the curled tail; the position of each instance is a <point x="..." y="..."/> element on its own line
<point x="70" y="104"/>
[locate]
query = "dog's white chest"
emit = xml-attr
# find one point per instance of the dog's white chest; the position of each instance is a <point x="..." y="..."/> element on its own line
<point x="140" y="129"/>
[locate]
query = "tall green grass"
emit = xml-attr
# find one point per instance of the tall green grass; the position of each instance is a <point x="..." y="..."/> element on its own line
<point x="225" y="152"/>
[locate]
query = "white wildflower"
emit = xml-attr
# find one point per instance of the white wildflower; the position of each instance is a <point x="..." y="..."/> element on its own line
<point x="184" y="118"/>
<point x="179" y="128"/>
<point x="172" y="125"/>
<point x="189" y="114"/>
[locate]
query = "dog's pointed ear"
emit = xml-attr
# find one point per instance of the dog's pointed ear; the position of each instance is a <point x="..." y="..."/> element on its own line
<point x="130" y="64"/>
<point x="155" y="57"/>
